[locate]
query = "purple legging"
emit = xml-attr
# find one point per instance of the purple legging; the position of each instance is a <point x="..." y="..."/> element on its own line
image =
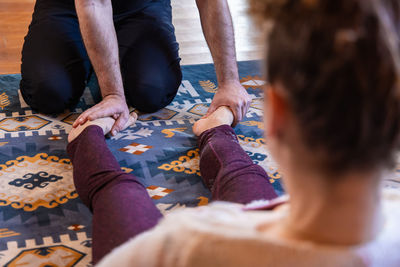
<point x="120" y="204"/>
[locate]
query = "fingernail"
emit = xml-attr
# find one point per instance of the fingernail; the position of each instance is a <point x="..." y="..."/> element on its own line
<point x="114" y="132"/>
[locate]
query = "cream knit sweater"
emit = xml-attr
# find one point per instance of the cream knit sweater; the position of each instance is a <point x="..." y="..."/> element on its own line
<point x="224" y="234"/>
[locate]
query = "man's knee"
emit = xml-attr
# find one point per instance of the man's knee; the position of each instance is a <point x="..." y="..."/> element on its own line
<point x="54" y="69"/>
<point x="50" y="94"/>
<point x="44" y="96"/>
<point x="152" y="93"/>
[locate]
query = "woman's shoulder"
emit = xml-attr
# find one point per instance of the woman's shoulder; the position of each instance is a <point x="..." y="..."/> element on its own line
<point x="224" y="218"/>
<point x="391" y="194"/>
<point x="226" y="234"/>
<point x="391" y="212"/>
<point x="383" y="250"/>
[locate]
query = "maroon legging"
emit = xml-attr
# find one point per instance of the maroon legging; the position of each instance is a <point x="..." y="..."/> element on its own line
<point x="121" y="205"/>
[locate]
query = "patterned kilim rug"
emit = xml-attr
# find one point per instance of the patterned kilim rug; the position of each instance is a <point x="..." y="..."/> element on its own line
<point x="42" y="220"/>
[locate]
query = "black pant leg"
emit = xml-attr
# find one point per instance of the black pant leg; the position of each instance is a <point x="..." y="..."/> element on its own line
<point x="55" y="65"/>
<point x="149" y="57"/>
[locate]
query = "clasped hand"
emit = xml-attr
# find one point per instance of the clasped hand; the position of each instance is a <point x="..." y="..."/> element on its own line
<point x="111" y="106"/>
<point x="234" y="96"/>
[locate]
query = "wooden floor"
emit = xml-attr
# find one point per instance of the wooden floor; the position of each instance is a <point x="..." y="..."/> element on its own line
<point x="15" y="16"/>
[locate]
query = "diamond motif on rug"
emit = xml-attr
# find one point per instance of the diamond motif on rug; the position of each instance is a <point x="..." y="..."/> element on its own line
<point x="76" y="227"/>
<point x="252" y="82"/>
<point x="135" y="148"/>
<point x="158" y="192"/>
<point x="70" y="118"/>
<point x="23" y="123"/>
<point x="37" y="190"/>
<point x="199" y="109"/>
<point x="48" y="256"/>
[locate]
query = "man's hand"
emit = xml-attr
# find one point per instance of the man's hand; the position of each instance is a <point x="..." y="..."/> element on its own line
<point x="111" y="106"/>
<point x="234" y="96"/>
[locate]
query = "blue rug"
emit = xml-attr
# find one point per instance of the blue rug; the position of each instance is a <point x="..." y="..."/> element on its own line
<point x="43" y="221"/>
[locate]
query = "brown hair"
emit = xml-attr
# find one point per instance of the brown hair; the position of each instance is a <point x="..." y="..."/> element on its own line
<point x="339" y="63"/>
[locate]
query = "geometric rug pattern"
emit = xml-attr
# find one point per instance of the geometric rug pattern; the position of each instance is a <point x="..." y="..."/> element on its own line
<point x="42" y="220"/>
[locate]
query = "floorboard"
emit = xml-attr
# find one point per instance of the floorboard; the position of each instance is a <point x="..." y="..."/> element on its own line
<point x="15" y="16"/>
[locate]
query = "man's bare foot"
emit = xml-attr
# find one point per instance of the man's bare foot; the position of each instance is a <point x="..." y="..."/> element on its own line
<point x="105" y="124"/>
<point x="222" y="116"/>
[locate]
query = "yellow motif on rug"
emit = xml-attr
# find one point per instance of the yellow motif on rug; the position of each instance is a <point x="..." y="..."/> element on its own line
<point x="188" y="164"/>
<point x="203" y="201"/>
<point x="259" y="124"/>
<point x="4" y="100"/>
<point x="171" y="132"/>
<point x="250" y="141"/>
<point x="5" y="232"/>
<point x="208" y="86"/>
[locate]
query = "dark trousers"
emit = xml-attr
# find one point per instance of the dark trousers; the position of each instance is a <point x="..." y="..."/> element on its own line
<point x="55" y="65"/>
<point x="121" y="205"/>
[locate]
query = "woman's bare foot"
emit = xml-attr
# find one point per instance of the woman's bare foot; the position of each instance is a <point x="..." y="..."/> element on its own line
<point x="222" y="116"/>
<point x="105" y="124"/>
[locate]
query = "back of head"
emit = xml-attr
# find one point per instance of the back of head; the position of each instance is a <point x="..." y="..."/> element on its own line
<point x="339" y="63"/>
